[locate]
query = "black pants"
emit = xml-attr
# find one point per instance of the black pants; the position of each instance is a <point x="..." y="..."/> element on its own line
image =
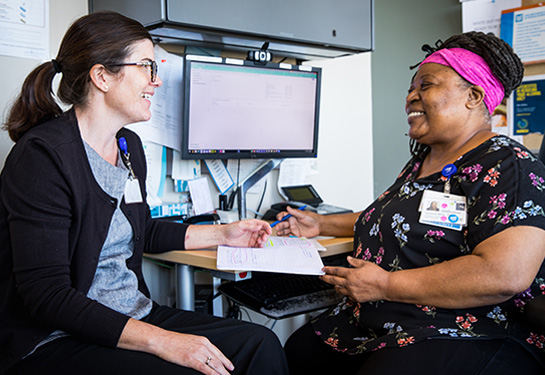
<point x="252" y="348"/>
<point x="307" y="354"/>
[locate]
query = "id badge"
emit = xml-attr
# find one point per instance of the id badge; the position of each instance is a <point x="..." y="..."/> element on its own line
<point x="132" y="191"/>
<point x="443" y="210"/>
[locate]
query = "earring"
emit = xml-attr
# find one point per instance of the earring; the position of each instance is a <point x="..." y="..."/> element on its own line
<point x="106" y="88"/>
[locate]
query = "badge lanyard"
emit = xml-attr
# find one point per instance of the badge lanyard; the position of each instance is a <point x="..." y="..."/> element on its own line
<point x="132" y="188"/>
<point x="448" y="171"/>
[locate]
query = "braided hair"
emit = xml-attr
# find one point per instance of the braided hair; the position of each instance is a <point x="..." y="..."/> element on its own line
<point x="499" y="56"/>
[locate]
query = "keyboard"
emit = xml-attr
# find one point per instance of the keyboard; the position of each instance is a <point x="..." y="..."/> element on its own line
<point x="273" y="289"/>
<point x="279" y="295"/>
<point x="302" y="304"/>
<point x="282" y="295"/>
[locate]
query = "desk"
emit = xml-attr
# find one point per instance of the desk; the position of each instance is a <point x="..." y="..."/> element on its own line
<point x="185" y="262"/>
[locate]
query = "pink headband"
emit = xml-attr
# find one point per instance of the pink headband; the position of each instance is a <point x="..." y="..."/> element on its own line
<point x="473" y="69"/>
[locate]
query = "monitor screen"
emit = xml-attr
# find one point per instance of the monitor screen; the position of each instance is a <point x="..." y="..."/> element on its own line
<point x="235" y="109"/>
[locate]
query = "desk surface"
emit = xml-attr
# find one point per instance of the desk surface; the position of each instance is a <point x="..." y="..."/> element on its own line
<point x="207" y="258"/>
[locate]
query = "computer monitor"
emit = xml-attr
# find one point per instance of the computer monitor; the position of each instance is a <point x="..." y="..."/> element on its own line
<point x="237" y="109"/>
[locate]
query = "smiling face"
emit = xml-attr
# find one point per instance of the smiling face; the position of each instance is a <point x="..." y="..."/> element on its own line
<point x="131" y="93"/>
<point x="436" y="104"/>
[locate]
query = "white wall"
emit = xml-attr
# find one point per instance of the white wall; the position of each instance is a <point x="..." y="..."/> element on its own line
<point x="62" y="14"/>
<point x="345" y="149"/>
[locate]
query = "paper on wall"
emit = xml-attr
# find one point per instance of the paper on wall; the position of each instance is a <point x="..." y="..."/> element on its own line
<point x="185" y="169"/>
<point x="156" y="166"/>
<point x="220" y="175"/>
<point x="524" y="29"/>
<point x="200" y="196"/>
<point x="24" y="29"/>
<point x="294" y="172"/>
<point x="484" y="15"/>
<point x="164" y="127"/>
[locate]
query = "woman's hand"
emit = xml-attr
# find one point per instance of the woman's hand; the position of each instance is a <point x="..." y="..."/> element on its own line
<point x="182" y="349"/>
<point x="193" y="351"/>
<point x="365" y="282"/>
<point x="300" y="224"/>
<point x="246" y="233"/>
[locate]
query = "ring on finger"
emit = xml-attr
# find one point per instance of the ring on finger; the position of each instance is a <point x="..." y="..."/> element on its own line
<point x="208" y="361"/>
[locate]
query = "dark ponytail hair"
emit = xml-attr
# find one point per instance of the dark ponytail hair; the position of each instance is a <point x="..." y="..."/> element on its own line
<point x="500" y="57"/>
<point x="98" y="38"/>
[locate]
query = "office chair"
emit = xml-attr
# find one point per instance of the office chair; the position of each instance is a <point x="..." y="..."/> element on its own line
<point x="534" y="311"/>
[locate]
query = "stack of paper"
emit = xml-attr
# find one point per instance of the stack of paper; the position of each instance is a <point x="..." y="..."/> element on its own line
<point x="280" y="254"/>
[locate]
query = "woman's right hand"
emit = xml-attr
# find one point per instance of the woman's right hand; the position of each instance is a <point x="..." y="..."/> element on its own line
<point x="300" y="224"/>
<point x="193" y="351"/>
<point x="182" y="349"/>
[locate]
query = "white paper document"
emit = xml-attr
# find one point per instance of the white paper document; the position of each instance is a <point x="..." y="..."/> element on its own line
<point x="485" y="15"/>
<point x="185" y="169"/>
<point x="220" y="175"/>
<point x="156" y="165"/>
<point x="200" y="196"/>
<point x="276" y="241"/>
<point x="282" y="259"/>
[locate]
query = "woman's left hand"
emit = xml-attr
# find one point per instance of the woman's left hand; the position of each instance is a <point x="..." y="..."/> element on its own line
<point x="247" y="233"/>
<point x="365" y="282"/>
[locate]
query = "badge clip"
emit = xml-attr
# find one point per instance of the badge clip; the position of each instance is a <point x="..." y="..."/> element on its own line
<point x="448" y="171"/>
<point x="132" y="188"/>
<point x="126" y="155"/>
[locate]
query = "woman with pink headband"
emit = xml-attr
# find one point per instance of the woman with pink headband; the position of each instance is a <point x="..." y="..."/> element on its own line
<point x="439" y="292"/>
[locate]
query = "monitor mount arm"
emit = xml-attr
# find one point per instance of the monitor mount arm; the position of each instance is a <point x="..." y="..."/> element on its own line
<point x="250" y="181"/>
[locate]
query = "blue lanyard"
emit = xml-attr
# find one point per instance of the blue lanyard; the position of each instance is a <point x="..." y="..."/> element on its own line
<point x="448" y="171"/>
<point x="126" y="155"/>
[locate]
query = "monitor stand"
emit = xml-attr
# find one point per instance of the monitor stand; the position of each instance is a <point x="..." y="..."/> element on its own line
<point x="250" y="181"/>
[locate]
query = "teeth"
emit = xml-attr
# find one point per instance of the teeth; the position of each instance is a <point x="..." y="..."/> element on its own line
<point x="146" y="96"/>
<point x="412" y="114"/>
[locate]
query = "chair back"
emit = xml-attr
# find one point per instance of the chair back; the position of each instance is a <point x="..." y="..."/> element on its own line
<point x="534" y="312"/>
<point x="541" y="153"/>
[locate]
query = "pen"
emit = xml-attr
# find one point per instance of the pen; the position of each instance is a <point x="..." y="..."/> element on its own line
<point x="302" y="208"/>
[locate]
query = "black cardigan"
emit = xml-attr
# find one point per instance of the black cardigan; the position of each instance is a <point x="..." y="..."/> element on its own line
<point x="54" y="218"/>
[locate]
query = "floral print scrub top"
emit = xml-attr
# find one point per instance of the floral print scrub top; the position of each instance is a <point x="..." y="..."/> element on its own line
<point x="503" y="184"/>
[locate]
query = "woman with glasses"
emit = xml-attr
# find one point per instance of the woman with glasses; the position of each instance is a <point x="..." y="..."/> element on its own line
<point x="74" y="226"/>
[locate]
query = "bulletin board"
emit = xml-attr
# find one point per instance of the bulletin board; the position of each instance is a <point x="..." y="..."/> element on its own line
<point x="532" y="71"/>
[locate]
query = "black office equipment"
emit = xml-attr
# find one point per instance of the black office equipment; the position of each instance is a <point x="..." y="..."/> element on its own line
<point x="203" y="219"/>
<point x="303" y="195"/>
<point x="306" y="194"/>
<point x="280" y="295"/>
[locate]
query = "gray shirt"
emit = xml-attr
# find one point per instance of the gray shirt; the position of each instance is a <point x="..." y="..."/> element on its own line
<point x="114" y="285"/>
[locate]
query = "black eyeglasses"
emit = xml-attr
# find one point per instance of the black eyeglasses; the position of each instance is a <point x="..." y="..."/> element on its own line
<point x="151" y="64"/>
